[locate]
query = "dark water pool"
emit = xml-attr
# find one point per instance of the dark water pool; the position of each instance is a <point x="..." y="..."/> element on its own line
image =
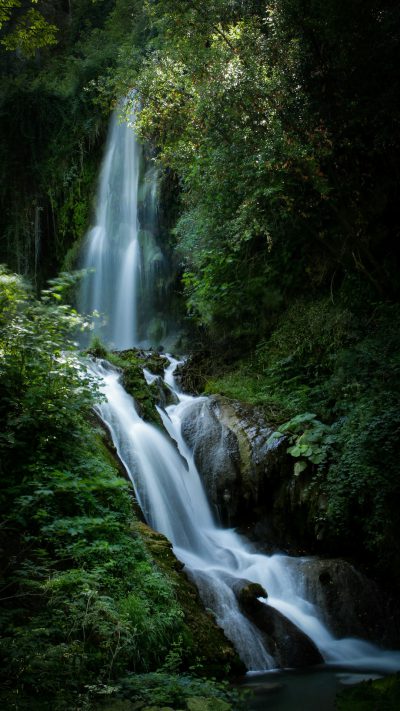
<point x="313" y="690"/>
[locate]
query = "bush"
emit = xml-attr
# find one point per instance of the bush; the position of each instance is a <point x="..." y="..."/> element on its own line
<point x="82" y="601"/>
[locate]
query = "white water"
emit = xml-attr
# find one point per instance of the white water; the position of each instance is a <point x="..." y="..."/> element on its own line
<point x="127" y="271"/>
<point x="171" y="495"/>
<point x="166" y="482"/>
<point x="112" y="249"/>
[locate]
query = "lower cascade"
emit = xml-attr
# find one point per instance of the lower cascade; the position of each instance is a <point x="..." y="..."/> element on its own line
<point x="221" y="562"/>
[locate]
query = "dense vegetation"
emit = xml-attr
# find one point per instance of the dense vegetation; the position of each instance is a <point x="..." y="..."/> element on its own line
<point x="277" y="127"/>
<point x="52" y="127"/>
<point x="282" y="124"/>
<point x="83" y="602"/>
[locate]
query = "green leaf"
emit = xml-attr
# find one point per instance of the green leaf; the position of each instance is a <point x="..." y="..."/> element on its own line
<point x="299" y="467"/>
<point x="295" y="451"/>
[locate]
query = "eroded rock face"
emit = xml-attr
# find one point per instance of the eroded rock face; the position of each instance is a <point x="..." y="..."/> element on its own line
<point x="231" y="451"/>
<point x="216" y="454"/>
<point x="252" y="485"/>
<point x="351" y="603"/>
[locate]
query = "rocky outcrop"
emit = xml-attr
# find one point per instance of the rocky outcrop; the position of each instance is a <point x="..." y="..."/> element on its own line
<point x="252" y="485"/>
<point x="232" y="453"/>
<point x="216" y="454"/>
<point x="351" y="603"/>
<point x="289" y="646"/>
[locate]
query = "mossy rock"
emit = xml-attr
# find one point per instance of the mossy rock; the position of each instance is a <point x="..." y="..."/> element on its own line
<point x="205" y="642"/>
<point x="247" y="592"/>
<point x="119" y="705"/>
<point x="131" y="362"/>
<point x="379" y="695"/>
<point x="207" y="703"/>
<point x="151" y="360"/>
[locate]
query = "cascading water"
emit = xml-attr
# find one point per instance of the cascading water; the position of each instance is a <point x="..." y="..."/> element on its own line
<point x="127" y="272"/>
<point x="171" y="495"/>
<point x="112" y="247"/>
<point x="125" y="262"/>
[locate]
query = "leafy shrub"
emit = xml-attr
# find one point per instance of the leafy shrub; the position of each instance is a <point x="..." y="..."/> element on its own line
<point x="82" y="602"/>
<point x="328" y="379"/>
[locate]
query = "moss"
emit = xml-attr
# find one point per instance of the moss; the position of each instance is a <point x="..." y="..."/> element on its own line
<point x="202" y="703"/>
<point x="205" y="642"/>
<point x="131" y="362"/>
<point x="380" y="695"/>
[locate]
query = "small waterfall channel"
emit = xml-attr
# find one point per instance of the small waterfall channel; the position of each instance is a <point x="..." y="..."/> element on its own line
<point x="160" y="465"/>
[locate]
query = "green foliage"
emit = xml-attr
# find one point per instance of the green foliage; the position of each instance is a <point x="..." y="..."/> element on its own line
<point x="175" y="691"/>
<point x="54" y="111"/>
<point x="30" y="32"/>
<point x="328" y="380"/>
<point x="235" y="185"/>
<point x="310" y="440"/>
<point x="279" y="149"/>
<point x="81" y="599"/>
<point x="380" y="694"/>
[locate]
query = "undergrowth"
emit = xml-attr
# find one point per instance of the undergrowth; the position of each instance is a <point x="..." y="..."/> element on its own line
<point x="328" y="377"/>
<point x="83" y="604"/>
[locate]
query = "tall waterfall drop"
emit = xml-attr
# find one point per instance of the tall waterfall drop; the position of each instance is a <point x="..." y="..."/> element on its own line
<point x="126" y="263"/>
<point x="127" y="272"/>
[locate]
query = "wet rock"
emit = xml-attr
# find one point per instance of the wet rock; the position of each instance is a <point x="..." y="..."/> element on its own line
<point x="216" y="454"/>
<point x="247" y="592"/>
<point x="242" y="470"/>
<point x="163" y="394"/>
<point x="249" y="478"/>
<point x="289" y="646"/>
<point x="351" y="603"/>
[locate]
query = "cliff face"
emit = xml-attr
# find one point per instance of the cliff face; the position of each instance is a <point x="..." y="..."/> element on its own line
<point x="249" y="478"/>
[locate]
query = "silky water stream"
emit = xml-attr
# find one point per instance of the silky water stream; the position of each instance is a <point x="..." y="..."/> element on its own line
<point x="123" y="261"/>
<point x="172" y="498"/>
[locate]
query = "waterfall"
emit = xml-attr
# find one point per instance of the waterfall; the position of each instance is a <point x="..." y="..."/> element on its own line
<point x="127" y="271"/>
<point x="172" y="498"/>
<point x="125" y="261"/>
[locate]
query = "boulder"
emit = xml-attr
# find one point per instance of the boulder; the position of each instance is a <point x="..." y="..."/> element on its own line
<point x="351" y="603"/>
<point x="232" y="452"/>
<point x="247" y="593"/>
<point x="216" y="455"/>
<point x="289" y="646"/>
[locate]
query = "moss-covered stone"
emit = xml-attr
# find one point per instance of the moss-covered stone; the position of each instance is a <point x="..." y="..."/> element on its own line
<point x="131" y="363"/>
<point x="205" y="643"/>
<point x="152" y="360"/>
<point x="203" y="703"/>
<point x="379" y="695"/>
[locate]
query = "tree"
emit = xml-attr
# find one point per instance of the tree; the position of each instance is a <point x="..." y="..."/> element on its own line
<point x="26" y="29"/>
